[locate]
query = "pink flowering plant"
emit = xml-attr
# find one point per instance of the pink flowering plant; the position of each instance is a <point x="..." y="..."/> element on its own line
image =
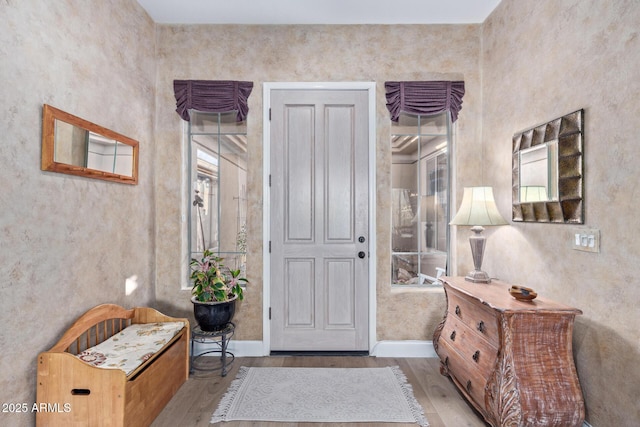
<point x="213" y="281"/>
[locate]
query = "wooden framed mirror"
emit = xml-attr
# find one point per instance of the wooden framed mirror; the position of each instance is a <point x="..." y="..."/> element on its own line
<point x="548" y="172"/>
<point x="76" y="146"/>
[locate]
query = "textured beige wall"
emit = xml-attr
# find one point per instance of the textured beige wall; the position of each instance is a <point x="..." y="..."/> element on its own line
<point x="307" y="53"/>
<point x="68" y="243"/>
<point x="543" y="59"/>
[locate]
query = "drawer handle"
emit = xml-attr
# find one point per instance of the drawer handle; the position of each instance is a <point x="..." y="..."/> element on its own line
<point x="453" y="336"/>
<point x="468" y="386"/>
<point x="481" y="327"/>
<point x="446" y="361"/>
<point x="457" y="310"/>
<point x="476" y="356"/>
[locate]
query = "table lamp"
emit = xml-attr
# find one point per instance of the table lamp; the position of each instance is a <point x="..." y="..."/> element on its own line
<point x="478" y="209"/>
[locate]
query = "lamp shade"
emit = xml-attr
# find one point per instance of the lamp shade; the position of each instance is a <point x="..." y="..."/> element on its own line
<point x="532" y="193"/>
<point x="478" y="208"/>
<point x="427" y="210"/>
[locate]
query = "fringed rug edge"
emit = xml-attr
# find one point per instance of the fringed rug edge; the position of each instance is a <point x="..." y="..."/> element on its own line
<point x="227" y="400"/>
<point x="407" y="391"/>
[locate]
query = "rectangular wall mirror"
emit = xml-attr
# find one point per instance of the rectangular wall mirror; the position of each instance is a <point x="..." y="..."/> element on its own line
<point x="548" y="173"/>
<point x="76" y="146"/>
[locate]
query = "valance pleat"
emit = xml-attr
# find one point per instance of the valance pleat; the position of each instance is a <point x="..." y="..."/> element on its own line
<point x="424" y="97"/>
<point x="212" y="96"/>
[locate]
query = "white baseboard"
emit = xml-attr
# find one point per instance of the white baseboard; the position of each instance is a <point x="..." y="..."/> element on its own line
<point x="238" y="348"/>
<point x="407" y="348"/>
<point x="247" y="348"/>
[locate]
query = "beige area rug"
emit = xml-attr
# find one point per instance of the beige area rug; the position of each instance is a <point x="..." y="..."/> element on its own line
<point x="320" y="395"/>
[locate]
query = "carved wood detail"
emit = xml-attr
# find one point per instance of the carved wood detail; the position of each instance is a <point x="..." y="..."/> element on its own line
<point x="444" y="368"/>
<point x="503" y="395"/>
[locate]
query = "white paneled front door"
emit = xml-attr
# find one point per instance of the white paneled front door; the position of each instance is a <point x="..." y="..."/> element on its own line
<point x="319" y="220"/>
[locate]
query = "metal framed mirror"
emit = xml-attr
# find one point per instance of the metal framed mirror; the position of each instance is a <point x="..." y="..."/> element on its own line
<point x="76" y="146"/>
<point x="548" y="171"/>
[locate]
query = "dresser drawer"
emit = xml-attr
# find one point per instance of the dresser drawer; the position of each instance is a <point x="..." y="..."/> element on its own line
<point x="473" y="349"/>
<point x="468" y="378"/>
<point x="475" y="316"/>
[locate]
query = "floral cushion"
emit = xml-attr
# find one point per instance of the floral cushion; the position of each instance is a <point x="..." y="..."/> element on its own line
<point x="129" y="348"/>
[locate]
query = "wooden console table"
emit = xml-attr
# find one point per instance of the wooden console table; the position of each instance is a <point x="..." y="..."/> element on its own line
<point x="511" y="359"/>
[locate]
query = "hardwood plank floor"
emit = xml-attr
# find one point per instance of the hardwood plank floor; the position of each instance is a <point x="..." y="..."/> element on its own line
<point x="196" y="400"/>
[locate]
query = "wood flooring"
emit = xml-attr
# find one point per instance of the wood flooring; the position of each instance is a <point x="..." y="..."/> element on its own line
<point x="198" y="398"/>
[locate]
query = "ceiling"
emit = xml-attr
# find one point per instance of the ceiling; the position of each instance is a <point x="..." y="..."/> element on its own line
<point x="318" y="11"/>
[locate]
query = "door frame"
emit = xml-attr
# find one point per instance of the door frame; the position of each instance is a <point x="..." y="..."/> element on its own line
<point x="267" y="87"/>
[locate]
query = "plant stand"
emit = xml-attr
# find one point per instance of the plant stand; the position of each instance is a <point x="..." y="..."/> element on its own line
<point x="219" y="337"/>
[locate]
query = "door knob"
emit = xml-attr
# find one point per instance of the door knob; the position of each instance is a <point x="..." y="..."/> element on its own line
<point x="361" y="254"/>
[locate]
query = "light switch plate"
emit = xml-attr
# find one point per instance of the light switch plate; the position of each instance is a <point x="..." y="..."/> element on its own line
<point x="586" y="240"/>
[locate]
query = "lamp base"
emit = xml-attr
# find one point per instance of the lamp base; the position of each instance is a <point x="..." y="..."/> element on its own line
<point x="477" y="276"/>
<point x="477" y="242"/>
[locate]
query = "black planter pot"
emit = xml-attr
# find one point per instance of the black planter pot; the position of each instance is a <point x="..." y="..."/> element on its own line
<point x="212" y="316"/>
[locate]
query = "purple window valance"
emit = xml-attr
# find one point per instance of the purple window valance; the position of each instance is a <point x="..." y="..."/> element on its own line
<point x="428" y="97"/>
<point x="212" y="96"/>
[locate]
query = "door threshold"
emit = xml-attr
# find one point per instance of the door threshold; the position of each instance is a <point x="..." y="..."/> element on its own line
<point x="318" y="353"/>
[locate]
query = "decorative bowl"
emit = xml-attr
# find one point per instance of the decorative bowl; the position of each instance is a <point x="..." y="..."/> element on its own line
<point x="522" y="293"/>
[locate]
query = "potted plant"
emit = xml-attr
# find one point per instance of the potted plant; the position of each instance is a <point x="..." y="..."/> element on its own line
<point x="216" y="287"/>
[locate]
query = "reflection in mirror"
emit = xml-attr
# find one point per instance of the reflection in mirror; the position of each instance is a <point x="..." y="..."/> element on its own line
<point x="547" y="171"/>
<point x="70" y="144"/>
<point x="539" y="173"/>
<point x="101" y="153"/>
<point x="419" y="198"/>
<point x="75" y="146"/>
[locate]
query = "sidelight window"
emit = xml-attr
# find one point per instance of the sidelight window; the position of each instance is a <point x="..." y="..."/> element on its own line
<point x="218" y="181"/>
<point x="420" y="156"/>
